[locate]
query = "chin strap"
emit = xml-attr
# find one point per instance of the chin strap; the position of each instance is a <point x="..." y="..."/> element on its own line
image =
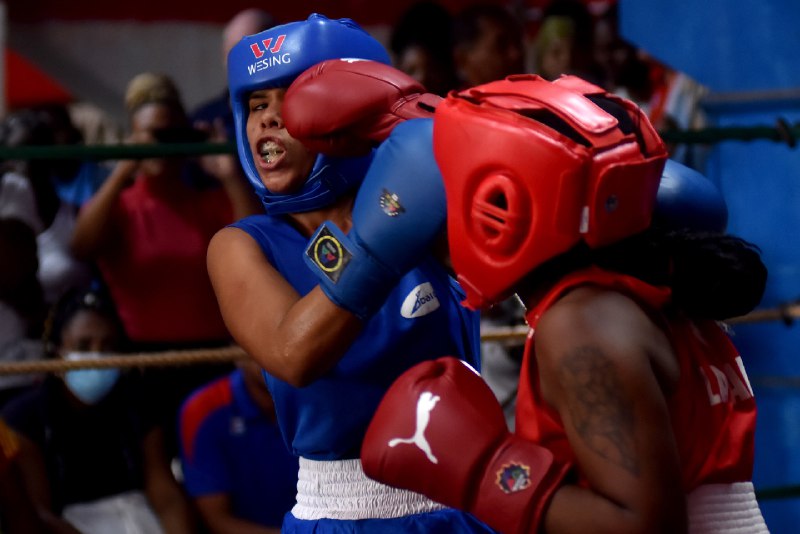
<point x="330" y="178"/>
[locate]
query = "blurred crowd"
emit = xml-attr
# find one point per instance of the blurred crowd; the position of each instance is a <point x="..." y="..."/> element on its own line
<point x="103" y="258"/>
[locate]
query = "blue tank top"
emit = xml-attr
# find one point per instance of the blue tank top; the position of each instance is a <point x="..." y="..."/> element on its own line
<point x="421" y="319"/>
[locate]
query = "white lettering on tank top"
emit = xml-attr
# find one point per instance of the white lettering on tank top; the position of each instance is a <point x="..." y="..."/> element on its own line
<point x="724" y="383"/>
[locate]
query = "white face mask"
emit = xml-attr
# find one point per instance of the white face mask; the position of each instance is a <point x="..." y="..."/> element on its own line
<point x="89" y="385"/>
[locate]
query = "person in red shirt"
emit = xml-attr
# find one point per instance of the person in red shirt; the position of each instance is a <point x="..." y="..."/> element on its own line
<point x="148" y="227"/>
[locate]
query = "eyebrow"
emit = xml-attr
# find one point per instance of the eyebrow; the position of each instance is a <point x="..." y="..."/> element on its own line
<point x="258" y="93"/>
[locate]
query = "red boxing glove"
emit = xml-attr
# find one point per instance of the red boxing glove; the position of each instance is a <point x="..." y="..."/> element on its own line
<point x="343" y="107"/>
<point x="440" y="431"/>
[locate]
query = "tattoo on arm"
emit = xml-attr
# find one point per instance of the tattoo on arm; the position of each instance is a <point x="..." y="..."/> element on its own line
<point x="599" y="412"/>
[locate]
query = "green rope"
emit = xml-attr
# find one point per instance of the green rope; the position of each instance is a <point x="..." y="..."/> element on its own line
<point x="782" y="132"/>
<point x="783" y="492"/>
<point x="105" y="152"/>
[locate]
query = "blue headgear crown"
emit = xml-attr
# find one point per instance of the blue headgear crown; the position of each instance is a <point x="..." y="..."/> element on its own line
<point x="274" y="58"/>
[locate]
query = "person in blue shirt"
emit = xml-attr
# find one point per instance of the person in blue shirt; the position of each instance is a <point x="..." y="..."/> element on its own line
<point x="320" y="312"/>
<point x="235" y="465"/>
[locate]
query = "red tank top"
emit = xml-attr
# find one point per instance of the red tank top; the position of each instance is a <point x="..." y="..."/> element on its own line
<point x="713" y="410"/>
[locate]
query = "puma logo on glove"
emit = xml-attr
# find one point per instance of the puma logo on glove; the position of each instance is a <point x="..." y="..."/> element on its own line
<point x="425" y="405"/>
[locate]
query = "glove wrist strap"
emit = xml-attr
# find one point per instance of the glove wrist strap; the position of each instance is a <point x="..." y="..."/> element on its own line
<point x="348" y="274"/>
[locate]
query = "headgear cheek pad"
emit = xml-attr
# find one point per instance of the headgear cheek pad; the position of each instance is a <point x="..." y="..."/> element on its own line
<point x="531" y="168"/>
<point x="273" y="59"/>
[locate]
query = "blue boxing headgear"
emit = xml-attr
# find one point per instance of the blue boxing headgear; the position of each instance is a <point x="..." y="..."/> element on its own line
<point x="688" y="200"/>
<point x="273" y="59"/>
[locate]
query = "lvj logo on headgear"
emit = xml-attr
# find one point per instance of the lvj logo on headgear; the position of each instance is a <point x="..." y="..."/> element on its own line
<point x="271" y="60"/>
<point x="258" y="52"/>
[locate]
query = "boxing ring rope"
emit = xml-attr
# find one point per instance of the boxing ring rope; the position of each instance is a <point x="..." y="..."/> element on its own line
<point x="509" y="335"/>
<point x="782" y="132"/>
<point x="171" y="358"/>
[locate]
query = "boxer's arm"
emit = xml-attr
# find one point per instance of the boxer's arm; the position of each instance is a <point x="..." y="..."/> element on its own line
<point x="295" y="339"/>
<point x="606" y="368"/>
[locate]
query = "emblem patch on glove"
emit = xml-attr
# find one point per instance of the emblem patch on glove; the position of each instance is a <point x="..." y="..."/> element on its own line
<point x="514" y="477"/>
<point x="329" y="254"/>
<point x="390" y="203"/>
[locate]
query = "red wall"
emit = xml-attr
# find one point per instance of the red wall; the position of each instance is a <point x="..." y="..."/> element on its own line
<point x="365" y="12"/>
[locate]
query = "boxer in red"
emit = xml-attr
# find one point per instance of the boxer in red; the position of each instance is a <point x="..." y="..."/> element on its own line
<point x="634" y="411"/>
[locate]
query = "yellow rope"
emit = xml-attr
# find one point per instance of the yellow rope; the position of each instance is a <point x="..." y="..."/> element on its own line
<point x="785" y="313"/>
<point x="512" y="335"/>
<point x="154" y="359"/>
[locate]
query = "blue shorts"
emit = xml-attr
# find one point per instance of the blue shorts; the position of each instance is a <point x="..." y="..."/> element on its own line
<point x="447" y="521"/>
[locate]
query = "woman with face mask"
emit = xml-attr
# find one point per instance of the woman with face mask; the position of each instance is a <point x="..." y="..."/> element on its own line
<point x="91" y="454"/>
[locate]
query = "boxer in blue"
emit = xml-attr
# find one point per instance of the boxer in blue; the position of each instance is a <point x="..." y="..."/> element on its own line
<point x="336" y="290"/>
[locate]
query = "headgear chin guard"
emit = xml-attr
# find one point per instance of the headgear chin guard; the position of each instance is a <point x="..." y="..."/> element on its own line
<point x="273" y="59"/>
<point x="531" y="168"/>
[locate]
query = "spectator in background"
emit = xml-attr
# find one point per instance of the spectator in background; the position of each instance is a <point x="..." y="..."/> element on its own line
<point x="563" y="43"/>
<point x="22" y="306"/>
<point x="55" y="190"/>
<point x="91" y="457"/>
<point x="17" y="514"/>
<point x="675" y="104"/>
<point x="623" y="71"/>
<point x="96" y="126"/>
<point x="421" y="43"/>
<point x="670" y="98"/>
<point x="148" y="227"/>
<point x="487" y="44"/>
<point x="235" y="463"/>
<point x="217" y="113"/>
<point x="21" y="303"/>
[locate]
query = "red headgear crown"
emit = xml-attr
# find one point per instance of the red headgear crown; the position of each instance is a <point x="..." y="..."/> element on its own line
<point x="533" y="167"/>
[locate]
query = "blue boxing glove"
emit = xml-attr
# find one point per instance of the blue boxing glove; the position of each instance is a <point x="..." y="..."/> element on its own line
<point x="687" y="200"/>
<point x="398" y="212"/>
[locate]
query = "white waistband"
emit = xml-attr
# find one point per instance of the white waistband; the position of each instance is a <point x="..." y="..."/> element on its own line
<point x="725" y="508"/>
<point x="340" y="490"/>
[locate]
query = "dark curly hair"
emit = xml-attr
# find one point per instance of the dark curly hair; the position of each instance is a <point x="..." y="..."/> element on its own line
<point x="94" y="298"/>
<point x="712" y="275"/>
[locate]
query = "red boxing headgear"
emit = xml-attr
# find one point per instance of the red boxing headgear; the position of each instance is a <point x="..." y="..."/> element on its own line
<point x="532" y="167"/>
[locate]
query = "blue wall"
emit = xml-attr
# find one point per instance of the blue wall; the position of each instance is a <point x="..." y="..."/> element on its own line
<point x="727" y="45"/>
<point x="748" y="54"/>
